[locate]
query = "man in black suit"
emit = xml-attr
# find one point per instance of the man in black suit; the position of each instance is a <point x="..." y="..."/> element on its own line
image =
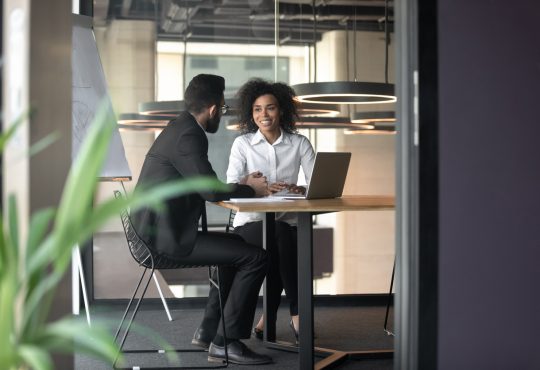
<point x="181" y="151"/>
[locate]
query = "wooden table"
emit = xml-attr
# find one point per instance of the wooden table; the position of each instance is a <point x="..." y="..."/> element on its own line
<point x="306" y="209"/>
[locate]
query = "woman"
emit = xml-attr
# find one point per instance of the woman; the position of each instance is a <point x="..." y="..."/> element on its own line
<point x="271" y="145"/>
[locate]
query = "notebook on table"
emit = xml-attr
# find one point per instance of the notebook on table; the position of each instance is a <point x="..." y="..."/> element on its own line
<point x="327" y="178"/>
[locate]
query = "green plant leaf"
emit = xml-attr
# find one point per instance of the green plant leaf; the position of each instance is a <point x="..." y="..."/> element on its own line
<point x="8" y="292"/>
<point x="49" y="254"/>
<point x="81" y="182"/>
<point x="13" y="224"/>
<point x="38" y="227"/>
<point x="149" y="197"/>
<point x="43" y="143"/>
<point x="69" y="334"/>
<point x="4" y="252"/>
<point x="36" y="357"/>
<point x="7" y="134"/>
<point x="33" y="314"/>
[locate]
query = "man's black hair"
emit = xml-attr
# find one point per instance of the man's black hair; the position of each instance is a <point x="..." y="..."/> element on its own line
<point x="203" y="91"/>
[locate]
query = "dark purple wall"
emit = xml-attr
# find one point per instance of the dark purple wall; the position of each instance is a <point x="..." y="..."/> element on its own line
<point x="489" y="178"/>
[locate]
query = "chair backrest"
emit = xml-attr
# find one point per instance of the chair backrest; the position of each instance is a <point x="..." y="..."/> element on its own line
<point x="229" y="227"/>
<point x="137" y="247"/>
<point x="139" y="250"/>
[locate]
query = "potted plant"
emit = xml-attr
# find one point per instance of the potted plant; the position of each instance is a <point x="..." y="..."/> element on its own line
<point x="30" y="271"/>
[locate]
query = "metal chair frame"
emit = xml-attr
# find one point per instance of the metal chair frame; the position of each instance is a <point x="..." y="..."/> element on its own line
<point x="388" y="332"/>
<point x="229" y="227"/>
<point x="150" y="261"/>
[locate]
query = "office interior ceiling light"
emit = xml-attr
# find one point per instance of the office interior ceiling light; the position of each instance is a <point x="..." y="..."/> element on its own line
<point x="346" y="92"/>
<point x="377" y="129"/>
<point x="171" y="108"/>
<point x="140" y="122"/>
<point x="324" y="122"/>
<point x="309" y="109"/>
<point x="359" y="131"/>
<point x="317" y="123"/>
<point x="374" y="117"/>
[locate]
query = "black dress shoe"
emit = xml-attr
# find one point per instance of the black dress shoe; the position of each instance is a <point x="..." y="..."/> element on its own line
<point x="202" y="338"/>
<point x="238" y="353"/>
<point x="258" y="333"/>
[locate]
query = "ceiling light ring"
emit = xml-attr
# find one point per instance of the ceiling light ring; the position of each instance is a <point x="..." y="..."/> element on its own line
<point x="345" y="92"/>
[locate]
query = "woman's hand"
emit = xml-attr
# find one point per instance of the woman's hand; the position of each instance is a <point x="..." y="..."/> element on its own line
<point x="277" y="186"/>
<point x="293" y="188"/>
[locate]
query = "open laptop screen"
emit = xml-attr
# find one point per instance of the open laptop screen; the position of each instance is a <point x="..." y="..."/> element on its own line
<point x="327" y="178"/>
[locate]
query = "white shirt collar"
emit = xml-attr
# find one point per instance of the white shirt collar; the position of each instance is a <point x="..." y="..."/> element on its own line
<point x="283" y="138"/>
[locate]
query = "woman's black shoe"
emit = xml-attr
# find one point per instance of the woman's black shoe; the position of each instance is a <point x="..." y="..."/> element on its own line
<point x="258" y="333"/>
<point x="294" y="331"/>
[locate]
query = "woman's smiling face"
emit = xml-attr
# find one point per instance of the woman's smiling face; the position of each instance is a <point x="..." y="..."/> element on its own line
<point x="266" y="113"/>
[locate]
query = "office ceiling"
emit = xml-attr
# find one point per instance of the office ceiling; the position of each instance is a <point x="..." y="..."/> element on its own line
<point x="248" y="21"/>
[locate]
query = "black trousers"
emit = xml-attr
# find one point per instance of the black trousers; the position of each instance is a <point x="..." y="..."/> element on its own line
<point x="241" y="273"/>
<point x="283" y="270"/>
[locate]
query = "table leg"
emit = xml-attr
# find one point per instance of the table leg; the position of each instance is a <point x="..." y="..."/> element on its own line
<point x="268" y="244"/>
<point x="305" y="289"/>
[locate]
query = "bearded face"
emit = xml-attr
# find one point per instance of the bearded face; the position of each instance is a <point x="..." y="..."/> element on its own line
<point x="213" y="123"/>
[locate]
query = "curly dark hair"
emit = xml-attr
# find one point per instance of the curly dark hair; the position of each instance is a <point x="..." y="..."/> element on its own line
<point x="257" y="87"/>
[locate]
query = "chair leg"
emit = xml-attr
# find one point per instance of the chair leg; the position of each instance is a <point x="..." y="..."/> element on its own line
<point x="165" y="305"/>
<point x="388" y="332"/>
<point x="132" y="318"/>
<point x="133" y="314"/>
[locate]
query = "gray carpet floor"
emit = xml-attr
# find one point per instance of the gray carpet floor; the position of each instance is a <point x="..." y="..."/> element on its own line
<point x="342" y="328"/>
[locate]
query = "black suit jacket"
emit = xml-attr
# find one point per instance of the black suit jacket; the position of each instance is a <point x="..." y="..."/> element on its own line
<point x="180" y="151"/>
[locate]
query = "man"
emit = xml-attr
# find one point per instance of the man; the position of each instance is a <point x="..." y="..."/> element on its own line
<point x="181" y="151"/>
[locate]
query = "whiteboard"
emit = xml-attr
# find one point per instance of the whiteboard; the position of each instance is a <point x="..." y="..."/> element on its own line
<point x="89" y="91"/>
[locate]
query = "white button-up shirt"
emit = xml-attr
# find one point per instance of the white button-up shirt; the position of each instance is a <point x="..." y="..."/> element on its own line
<point x="280" y="161"/>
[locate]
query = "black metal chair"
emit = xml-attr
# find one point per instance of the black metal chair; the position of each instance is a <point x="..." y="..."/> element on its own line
<point x="388" y="302"/>
<point x="229" y="227"/>
<point x="151" y="261"/>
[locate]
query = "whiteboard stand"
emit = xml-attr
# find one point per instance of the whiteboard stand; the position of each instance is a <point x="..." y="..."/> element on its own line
<point x="165" y="305"/>
<point x="78" y="278"/>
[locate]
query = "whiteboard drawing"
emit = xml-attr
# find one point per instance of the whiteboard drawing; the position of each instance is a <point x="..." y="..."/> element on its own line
<point x="88" y="92"/>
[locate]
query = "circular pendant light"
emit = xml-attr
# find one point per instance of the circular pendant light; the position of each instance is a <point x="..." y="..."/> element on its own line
<point x="170" y="108"/>
<point x="323" y="122"/>
<point x="374" y="117"/>
<point x="318" y="123"/>
<point x="376" y="131"/>
<point x="345" y="92"/>
<point x="306" y="109"/>
<point x="140" y="122"/>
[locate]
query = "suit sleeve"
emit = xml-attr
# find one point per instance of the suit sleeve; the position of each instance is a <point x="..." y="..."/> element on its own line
<point x="190" y="158"/>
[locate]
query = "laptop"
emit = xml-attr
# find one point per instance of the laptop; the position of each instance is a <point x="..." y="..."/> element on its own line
<point x="327" y="178"/>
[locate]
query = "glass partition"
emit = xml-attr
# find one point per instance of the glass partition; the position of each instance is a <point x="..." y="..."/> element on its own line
<point x="147" y="52"/>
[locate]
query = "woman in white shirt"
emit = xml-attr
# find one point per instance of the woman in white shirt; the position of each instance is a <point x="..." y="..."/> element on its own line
<point x="271" y="145"/>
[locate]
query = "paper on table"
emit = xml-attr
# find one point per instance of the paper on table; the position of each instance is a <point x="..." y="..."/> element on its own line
<point x="248" y="200"/>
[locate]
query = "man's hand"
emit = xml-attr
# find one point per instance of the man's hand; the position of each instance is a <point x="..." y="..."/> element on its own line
<point x="258" y="182"/>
